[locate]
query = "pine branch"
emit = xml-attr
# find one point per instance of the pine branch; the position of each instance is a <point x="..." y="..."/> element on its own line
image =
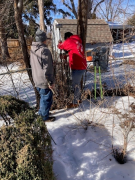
<point x="67" y="6"/>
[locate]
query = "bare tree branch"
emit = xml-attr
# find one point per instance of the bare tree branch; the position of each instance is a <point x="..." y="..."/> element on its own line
<point x="67" y="5"/>
<point x="110" y="10"/>
<point x="73" y="10"/>
<point x="97" y="6"/>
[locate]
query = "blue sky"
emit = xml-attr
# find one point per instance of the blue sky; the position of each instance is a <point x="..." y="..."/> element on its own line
<point x="131" y="3"/>
<point x="60" y="5"/>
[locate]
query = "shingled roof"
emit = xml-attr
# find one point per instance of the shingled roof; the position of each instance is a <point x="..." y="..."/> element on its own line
<point x="98" y="30"/>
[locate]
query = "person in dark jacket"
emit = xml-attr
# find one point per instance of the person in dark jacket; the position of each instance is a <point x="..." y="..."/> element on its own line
<point x="42" y="71"/>
<point x="77" y="63"/>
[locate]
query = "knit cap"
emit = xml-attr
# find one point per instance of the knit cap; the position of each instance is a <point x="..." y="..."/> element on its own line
<point x="40" y="36"/>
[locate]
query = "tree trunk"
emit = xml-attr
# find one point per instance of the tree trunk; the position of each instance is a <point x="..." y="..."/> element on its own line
<point x="90" y="9"/>
<point x="19" y="24"/>
<point x="41" y="13"/>
<point x="82" y="20"/>
<point x="4" y="9"/>
<point x="82" y="24"/>
<point x="3" y="42"/>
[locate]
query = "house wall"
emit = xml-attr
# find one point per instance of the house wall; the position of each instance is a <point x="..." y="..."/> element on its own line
<point x="55" y="38"/>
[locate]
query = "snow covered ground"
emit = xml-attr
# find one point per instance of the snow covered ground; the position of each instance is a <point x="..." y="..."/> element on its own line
<point x="85" y="154"/>
<point x="124" y="50"/>
<point x="84" y="136"/>
<point x="16" y="84"/>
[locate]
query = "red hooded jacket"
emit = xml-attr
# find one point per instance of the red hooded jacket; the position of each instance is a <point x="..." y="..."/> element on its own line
<point x="75" y="50"/>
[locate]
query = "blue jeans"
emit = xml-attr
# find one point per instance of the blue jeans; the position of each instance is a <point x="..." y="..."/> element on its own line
<point x="76" y="80"/>
<point x="45" y="102"/>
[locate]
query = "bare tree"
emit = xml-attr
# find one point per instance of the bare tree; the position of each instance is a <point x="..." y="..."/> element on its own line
<point x="72" y="8"/>
<point x="82" y="24"/>
<point x="92" y="7"/>
<point x="18" y="7"/>
<point x="41" y="13"/>
<point x="111" y="9"/>
<point x="4" y="11"/>
<point x="82" y="20"/>
<point x="131" y="20"/>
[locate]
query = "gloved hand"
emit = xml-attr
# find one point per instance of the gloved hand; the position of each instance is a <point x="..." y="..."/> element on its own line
<point x="60" y="41"/>
<point x="63" y="56"/>
<point x="52" y="86"/>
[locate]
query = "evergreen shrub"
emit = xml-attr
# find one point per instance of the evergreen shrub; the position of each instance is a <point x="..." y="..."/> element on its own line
<point x="25" y="146"/>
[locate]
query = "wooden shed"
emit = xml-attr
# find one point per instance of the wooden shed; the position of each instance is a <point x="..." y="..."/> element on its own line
<point x="120" y="31"/>
<point x="98" y="31"/>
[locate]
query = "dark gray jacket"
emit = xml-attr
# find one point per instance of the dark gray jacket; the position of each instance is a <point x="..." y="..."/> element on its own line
<point x="42" y="65"/>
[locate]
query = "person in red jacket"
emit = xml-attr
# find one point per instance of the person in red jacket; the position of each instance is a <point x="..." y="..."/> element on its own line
<point x="77" y="63"/>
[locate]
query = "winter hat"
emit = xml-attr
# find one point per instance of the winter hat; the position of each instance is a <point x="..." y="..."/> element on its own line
<point x="40" y="36"/>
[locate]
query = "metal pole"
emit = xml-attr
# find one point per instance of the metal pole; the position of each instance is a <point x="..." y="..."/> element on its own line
<point x="95" y="80"/>
<point x="101" y="91"/>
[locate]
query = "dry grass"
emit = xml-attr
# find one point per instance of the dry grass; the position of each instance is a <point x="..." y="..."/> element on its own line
<point x="129" y="62"/>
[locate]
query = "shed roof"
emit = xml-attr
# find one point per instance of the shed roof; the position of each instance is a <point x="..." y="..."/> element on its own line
<point x="98" y="30"/>
<point x="115" y="25"/>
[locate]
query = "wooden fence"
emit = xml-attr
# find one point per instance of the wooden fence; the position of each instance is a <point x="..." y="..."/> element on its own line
<point x="14" y="44"/>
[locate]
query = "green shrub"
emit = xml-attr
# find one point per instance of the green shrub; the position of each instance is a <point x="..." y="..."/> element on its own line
<point x="25" y="147"/>
<point x="11" y="106"/>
